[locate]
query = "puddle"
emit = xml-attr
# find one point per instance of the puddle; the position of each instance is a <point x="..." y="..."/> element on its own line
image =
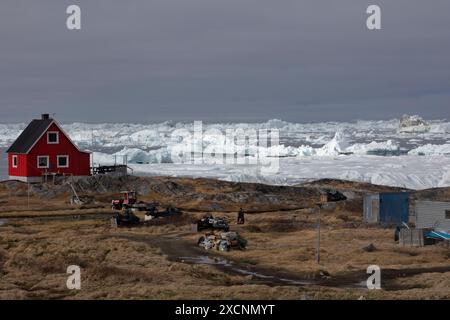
<point x="296" y="282"/>
<point x="93" y="216"/>
<point x="89" y="216"/>
<point x="277" y="279"/>
<point x="229" y="265"/>
<point x="206" y="260"/>
<point x="255" y="274"/>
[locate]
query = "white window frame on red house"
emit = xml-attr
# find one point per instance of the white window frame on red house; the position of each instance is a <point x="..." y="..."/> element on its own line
<point x="67" y="161"/>
<point x="15" y="161"/>
<point x="57" y="137"/>
<point x="48" y="162"/>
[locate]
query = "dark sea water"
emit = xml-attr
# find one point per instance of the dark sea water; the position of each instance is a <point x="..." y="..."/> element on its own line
<point x="3" y="164"/>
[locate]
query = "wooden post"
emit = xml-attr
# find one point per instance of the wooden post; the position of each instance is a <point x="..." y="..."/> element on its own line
<point x="318" y="235"/>
<point x="92" y="163"/>
<point x="28" y="195"/>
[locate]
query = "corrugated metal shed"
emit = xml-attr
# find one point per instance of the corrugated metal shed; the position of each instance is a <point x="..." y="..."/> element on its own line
<point x="371" y="208"/>
<point x="391" y="208"/>
<point x="432" y="214"/>
<point x="394" y="207"/>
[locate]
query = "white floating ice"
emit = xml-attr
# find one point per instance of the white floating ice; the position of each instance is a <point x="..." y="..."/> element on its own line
<point x="307" y="151"/>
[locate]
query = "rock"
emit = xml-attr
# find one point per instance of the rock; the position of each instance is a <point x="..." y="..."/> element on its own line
<point x="334" y="196"/>
<point x="324" y="274"/>
<point x="370" y="248"/>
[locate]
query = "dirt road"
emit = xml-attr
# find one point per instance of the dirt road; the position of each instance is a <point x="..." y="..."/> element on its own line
<point x="179" y="249"/>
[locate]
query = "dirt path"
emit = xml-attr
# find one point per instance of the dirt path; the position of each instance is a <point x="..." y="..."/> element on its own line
<point x="178" y="249"/>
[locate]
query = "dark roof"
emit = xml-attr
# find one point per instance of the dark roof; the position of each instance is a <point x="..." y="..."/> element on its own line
<point x="29" y="136"/>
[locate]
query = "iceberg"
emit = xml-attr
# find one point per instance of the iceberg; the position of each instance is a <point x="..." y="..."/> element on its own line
<point x="365" y="150"/>
<point x="431" y="150"/>
<point x="338" y="145"/>
<point x="376" y="148"/>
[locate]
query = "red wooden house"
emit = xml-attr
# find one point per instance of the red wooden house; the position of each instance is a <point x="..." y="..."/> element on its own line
<point x="44" y="150"/>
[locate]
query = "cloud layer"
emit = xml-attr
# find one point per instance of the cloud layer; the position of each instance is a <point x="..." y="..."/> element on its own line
<point x="217" y="60"/>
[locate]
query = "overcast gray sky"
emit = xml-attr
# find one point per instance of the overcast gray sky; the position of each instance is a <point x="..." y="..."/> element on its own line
<point x="224" y="60"/>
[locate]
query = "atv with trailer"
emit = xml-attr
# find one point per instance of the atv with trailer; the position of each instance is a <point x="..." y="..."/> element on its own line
<point x="129" y="200"/>
<point x="208" y="222"/>
<point x="153" y="213"/>
<point x="127" y="207"/>
<point x="125" y="219"/>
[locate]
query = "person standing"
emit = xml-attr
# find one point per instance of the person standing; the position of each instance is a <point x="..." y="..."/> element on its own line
<point x="241" y="217"/>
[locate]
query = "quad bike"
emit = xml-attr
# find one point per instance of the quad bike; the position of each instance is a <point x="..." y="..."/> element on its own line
<point x="153" y="213"/>
<point x="125" y="219"/>
<point x="211" y="223"/>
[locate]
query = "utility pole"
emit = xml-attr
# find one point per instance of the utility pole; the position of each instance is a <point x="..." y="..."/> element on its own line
<point x="323" y="199"/>
<point x="318" y="234"/>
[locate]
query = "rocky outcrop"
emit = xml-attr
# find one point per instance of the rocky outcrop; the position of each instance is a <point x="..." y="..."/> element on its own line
<point x="185" y="193"/>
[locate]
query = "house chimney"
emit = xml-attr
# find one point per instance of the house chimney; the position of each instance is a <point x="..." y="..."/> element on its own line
<point x="45" y="116"/>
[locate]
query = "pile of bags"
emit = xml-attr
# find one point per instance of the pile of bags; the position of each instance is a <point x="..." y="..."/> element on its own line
<point x="223" y="242"/>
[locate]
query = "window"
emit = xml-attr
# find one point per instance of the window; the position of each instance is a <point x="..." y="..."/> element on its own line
<point x="52" y="137"/>
<point x="447" y="214"/>
<point x="42" y="162"/>
<point x="15" y="161"/>
<point x="63" y="161"/>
